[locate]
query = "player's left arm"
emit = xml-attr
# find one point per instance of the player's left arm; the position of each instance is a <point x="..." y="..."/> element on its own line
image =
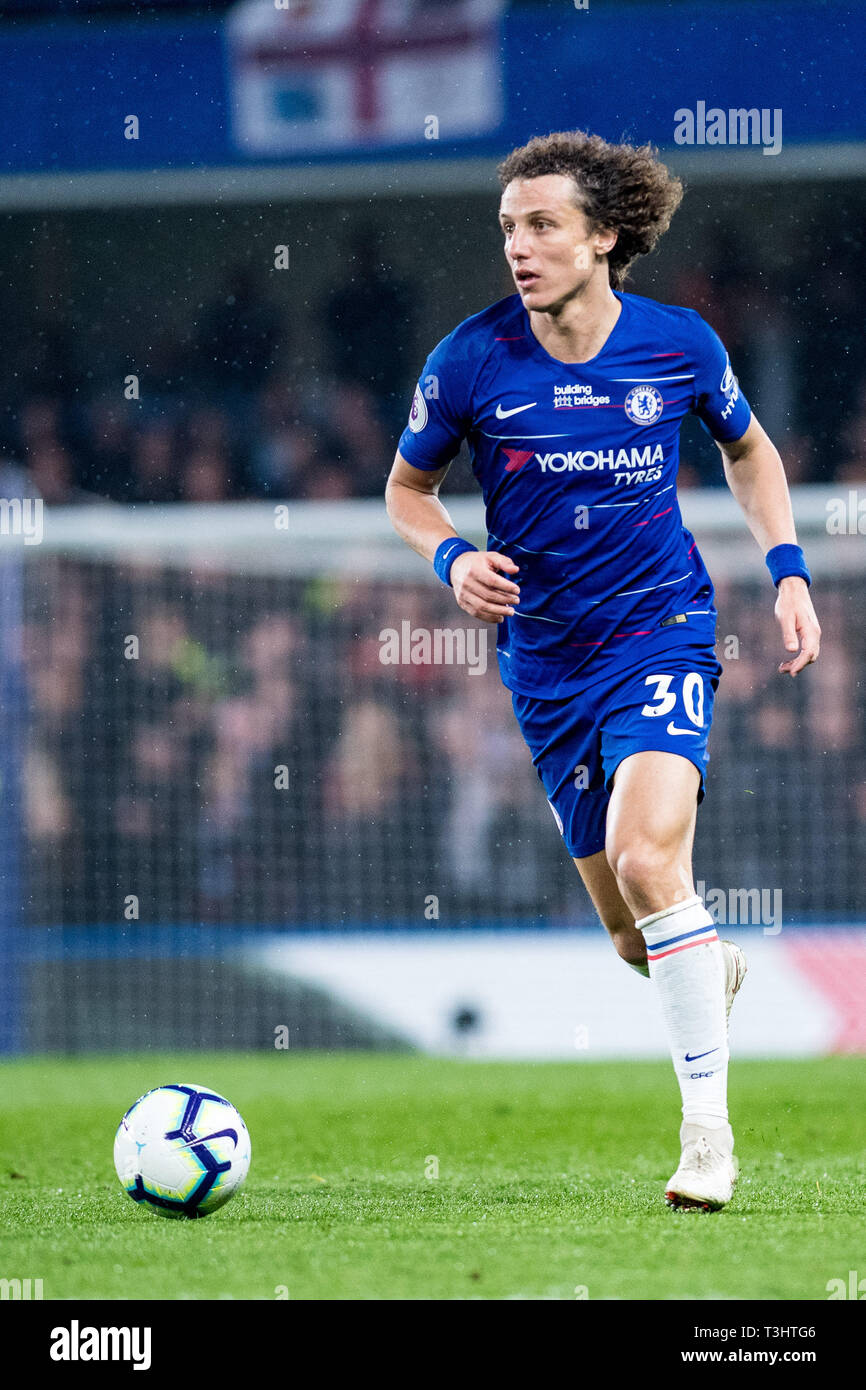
<point x="756" y="476"/>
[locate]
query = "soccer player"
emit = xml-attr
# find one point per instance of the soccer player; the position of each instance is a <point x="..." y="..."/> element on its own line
<point x="570" y="394"/>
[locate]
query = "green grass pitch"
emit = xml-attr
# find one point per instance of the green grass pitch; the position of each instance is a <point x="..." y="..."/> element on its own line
<point x="550" y="1182"/>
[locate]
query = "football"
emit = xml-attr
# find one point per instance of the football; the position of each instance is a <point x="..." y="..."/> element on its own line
<point x="182" y="1150"/>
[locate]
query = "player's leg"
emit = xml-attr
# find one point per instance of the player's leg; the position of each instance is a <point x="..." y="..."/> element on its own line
<point x="600" y="882"/>
<point x="564" y="738"/>
<point x="650" y="831"/>
<point x="651" y="828"/>
<point x="617" y="917"/>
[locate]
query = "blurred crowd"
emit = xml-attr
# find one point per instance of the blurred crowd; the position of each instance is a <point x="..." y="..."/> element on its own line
<point x="235" y="409"/>
<point x="228" y="412"/>
<point x="792" y="341"/>
<point x="256" y="762"/>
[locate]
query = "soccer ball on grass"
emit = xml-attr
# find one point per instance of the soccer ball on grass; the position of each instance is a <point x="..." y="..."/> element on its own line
<point x="182" y="1150"/>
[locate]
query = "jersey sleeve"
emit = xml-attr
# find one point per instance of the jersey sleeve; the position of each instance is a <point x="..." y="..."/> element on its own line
<point x="439" y="417"/>
<point x="720" y="405"/>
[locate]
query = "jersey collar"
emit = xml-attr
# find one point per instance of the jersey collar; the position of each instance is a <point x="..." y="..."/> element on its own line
<point x="540" y="351"/>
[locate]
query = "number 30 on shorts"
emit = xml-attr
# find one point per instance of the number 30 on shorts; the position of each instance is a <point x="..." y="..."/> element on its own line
<point x="664" y="699"/>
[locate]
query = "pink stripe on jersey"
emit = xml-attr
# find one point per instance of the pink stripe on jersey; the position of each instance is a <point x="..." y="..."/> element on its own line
<point x="653" y="517"/>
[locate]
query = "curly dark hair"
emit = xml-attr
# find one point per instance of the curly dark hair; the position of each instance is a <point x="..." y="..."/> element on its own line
<point x="621" y="188"/>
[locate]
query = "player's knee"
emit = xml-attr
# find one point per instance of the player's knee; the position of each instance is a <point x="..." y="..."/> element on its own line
<point x="639" y="866"/>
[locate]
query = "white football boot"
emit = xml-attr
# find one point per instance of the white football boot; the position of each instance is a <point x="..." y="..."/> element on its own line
<point x="735" y="972"/>
<point x="705" y="1179"/>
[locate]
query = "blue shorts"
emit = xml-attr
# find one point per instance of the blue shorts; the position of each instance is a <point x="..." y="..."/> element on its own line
<point x="577" y="743"/>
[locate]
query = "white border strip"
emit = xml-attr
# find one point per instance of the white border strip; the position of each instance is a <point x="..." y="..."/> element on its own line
<point x="354" y="538"/>
<point x="388" y="179"/>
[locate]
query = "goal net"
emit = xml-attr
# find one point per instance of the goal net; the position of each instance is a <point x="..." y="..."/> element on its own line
<point x="244" y="721"/>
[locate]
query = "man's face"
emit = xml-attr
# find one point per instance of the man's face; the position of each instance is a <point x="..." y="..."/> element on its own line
<point x="548" y="244"/>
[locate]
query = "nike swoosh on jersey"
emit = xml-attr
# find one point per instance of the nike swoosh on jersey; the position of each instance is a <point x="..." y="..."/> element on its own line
<point x="672" y="729"/>
<point x="504" y="414"/>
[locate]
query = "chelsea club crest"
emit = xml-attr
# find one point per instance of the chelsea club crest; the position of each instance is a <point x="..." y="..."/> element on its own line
<point x="644" y="405"/>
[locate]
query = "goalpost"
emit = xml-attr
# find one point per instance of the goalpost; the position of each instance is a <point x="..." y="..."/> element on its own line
<point x="205" y="740"/>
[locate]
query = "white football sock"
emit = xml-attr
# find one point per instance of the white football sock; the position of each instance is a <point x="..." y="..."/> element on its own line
<point x="687" y="966"/>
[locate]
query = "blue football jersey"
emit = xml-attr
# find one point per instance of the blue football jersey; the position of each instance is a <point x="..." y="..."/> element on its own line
<point x="578" y="463"/>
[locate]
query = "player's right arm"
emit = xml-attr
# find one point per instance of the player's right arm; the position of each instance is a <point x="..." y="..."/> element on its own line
<point x="479" y="578"/>
<point x="439" y="420"/>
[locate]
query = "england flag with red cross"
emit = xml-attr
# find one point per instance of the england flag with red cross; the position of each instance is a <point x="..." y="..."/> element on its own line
<point x="313" y="76"/>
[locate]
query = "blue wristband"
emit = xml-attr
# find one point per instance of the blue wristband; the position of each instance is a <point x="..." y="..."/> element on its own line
<point x="784" y="560"/>
<point x="447" y="553"/>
